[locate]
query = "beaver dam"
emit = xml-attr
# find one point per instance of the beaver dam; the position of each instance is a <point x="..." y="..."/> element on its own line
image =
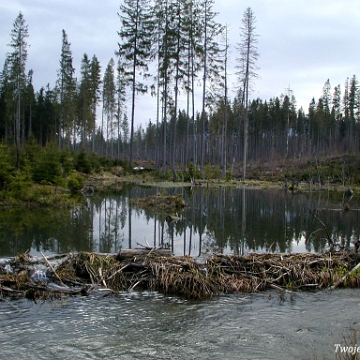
<point x="162" y="203"/>
<point x="157" y="270"/>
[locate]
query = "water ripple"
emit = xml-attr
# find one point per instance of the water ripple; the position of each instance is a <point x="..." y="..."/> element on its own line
<point x="152" y="326"/>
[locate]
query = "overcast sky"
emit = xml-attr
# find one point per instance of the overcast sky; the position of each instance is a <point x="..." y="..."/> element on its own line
<point x="301" y="43"/>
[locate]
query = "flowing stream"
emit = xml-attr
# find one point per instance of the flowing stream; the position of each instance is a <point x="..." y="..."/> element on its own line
<point x="134" y="325"/>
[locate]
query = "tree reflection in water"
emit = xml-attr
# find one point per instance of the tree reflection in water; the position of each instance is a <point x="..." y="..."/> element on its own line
<point x="220" y="220"/>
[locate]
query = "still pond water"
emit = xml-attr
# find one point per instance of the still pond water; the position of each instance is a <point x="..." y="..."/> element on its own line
<point x="222" y="220"/>
<point x="142" y="325"/>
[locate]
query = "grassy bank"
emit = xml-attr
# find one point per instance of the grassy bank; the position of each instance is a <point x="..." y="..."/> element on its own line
<point x="46" y="176"/>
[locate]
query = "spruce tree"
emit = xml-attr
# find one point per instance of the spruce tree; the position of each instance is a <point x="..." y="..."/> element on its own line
<point x="353" y="97"/>
<point x="165" y="39"/>
<point x="193" y="29"/>
<point x="29" y="104"/>
<point x="18" y="59"/>
<point x="66" y="89"/>
<point x="95" y="92"/>
<point x="353" y="107"/>
<point x="109" y="101"/>
<point x="336" y="102"/>
<point x="85" y="102"/>
<point x="212" y="65"/>
<point x="6" y="102"/>
<point x="120" y="100"/>
<point x="136" y="36"/>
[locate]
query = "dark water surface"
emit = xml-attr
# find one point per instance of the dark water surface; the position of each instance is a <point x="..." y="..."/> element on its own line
<point x="221" y="220"/>
<point x="150" y="326"/>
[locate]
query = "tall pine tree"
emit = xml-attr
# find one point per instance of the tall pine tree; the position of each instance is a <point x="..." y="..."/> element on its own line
<point x="18" y="59"/>
<point x="109" y="101"/>
<point x="211" y="65"/>
<point x="136" y="37"/>
<point x="95" y="93"/>
<point x="66" y="90"/>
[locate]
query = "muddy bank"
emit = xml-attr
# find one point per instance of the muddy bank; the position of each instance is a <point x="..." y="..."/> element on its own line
<point x="157" y="270"/>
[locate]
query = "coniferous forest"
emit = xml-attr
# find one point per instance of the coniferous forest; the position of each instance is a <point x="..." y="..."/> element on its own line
<point x="171" y="49"/>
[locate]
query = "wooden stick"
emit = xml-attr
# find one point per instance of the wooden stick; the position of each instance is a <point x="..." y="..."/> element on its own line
<point x="136" y="284"/>
<point x="52" y="268"/>
<point x="58" y="289"/>
<point x="330" y="241"/>
<point x="338" y="283"/>
<point x="102" y="278"/>
<point x="276" y="287"/>
<point x="116" y="272"/>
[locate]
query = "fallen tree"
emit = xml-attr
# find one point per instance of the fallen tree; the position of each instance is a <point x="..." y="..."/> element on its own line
<point x="157" y="270"/>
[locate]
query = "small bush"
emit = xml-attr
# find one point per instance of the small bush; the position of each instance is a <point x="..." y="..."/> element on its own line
<point x="82" y="163"/>
<point x="21" y="183"/>
<point x="75" y="182"/>
<point x="67" y="162"/>
<point x="95" y="162"/>
<point x="168" y="176"/>
<point x="229" y="176"/>
<point x="47" y="168"/>
<point x="216" y="172"/>
<point x="192" y="172"/>
<point x="31" y="151"/>
<point x="6" y="167"/>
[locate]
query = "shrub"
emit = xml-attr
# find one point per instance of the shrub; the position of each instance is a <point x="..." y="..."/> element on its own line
<point x="95" y="162"/>
<point x="47" y="168"/>
<point x="21" y="182"/>
<point x="6" y="167"/>
<point x="216" y="172"/>
<point x="193" y="173"/>
<point x="207" y="171"/>
<point x="75" y="182"/>
<point x="82" y="163"/>
<point x="67" y="161"/>
<point x="31" y="150"/>
<point x="229" y="176"/>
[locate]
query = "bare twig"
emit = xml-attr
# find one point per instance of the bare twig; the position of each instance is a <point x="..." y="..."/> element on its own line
<point x="136" y="284"/>
<point x="116" y="272"/>
<point x="338" y="283"/>
<point x="52" y="269"/>
<point x="328" y="237"/>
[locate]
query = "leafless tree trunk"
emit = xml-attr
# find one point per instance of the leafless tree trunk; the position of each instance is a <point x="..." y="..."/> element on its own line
<point x="248" y="56"/>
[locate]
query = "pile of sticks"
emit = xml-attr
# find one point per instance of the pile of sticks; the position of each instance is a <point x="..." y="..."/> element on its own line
<point x="157" y="270"/>
<point x="256" y="272"/>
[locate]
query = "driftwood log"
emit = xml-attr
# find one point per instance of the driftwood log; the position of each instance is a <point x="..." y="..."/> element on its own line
<point x="130" y="253"/>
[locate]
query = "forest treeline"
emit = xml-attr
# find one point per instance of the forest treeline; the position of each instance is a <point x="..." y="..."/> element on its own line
<point x="170" y="48"/>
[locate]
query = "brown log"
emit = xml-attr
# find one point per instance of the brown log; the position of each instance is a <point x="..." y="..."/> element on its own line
<point x="129" y="253"/>
<point x="52" y="268"/>
<point x="338" y="283"/>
